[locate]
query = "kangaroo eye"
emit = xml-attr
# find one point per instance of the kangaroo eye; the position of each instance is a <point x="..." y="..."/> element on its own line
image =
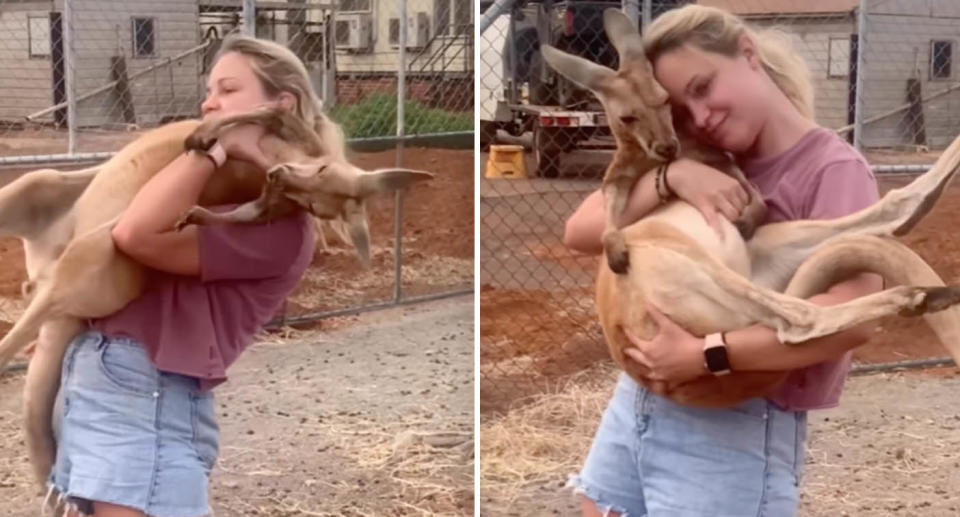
<point x="628" y="119"/>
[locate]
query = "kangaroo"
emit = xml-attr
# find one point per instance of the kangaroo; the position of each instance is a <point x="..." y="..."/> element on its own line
<point x="75" y="273"/>
<point x="673" y="260"/>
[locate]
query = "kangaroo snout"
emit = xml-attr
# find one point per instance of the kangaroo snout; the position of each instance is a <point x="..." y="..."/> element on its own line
<point x="667" y="150"/>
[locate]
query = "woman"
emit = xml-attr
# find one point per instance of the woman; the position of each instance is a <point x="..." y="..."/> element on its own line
<point x="137" y="433"/>
<point x="746" y="92"/>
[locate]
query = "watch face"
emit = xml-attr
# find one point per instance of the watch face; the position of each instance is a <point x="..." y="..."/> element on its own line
<point x="716" y="359"/>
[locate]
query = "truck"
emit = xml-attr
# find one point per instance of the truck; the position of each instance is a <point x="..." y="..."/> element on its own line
<point x="529" y="97"/>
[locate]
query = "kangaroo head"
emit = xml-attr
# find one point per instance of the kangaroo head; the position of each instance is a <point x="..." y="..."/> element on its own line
<point x="636" y="105"/>
<point x="332" y="188"/>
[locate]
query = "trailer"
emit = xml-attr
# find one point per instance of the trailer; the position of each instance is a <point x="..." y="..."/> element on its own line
<point x="518" y="93"/>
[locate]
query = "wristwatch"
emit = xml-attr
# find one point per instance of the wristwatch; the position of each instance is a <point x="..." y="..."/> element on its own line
<point x="715" y="354"/>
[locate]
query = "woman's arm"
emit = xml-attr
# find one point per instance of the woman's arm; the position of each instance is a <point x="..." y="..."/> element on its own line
<point x="757" y="347"/>
<point x="712" y="192"/>
<point x="676" y="356"/>
<point x="584" y="229"/>
<point x="145" y="229"/>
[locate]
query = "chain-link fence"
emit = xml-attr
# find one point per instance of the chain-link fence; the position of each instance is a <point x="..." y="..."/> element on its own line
<point x="883" y="78"/>
<point x="82" y="78"/>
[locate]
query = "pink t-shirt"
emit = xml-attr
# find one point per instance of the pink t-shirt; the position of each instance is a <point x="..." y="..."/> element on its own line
<point x="820" y="177"/>
<point x="197" y="326"/>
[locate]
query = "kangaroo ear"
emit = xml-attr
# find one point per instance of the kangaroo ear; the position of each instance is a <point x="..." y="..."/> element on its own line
<point x="388" y="180"/>
<point x="584" y="73"/>
<point x="623" y="34"/>
<point x="355" y="216"/>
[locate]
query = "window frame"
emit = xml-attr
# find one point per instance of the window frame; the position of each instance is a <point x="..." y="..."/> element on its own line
<point x="831" y="59"/>
<point x="135" y="50"/>
<point x="30" y="36"/>
<point x="451" y="18"/>
<point x="950" y="67"/>
<point x="369" y="8"/>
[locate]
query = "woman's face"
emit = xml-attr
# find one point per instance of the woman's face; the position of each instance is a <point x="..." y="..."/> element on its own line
<point x="723" y="96"/>
<point x="232" y="88"/>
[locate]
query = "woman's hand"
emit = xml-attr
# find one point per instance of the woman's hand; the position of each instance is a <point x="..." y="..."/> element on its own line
<point x="243" y="143"/>
<point x="673" y="356"/>
<point x="710" y="191"/>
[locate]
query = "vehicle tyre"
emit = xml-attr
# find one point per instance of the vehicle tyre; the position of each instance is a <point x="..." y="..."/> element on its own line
<point x="541" y="92"/>
<point x="546" y="151"/>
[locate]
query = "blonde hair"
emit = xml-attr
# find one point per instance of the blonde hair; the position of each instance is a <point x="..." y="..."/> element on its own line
<point x="280" y="70"/>
<point x="715" y="30"/>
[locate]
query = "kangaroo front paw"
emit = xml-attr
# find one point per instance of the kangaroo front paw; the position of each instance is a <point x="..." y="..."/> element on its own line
<point x="615" y="248"/>
<point x="200" y="140"/>
<point x="751" y="218"/>
<point x="192" y="216"/>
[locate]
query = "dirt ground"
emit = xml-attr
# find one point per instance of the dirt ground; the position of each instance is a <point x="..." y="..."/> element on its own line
<point x="537" y="318"/>
<point x="373" y="419"/>
<point x="890" y="448"/>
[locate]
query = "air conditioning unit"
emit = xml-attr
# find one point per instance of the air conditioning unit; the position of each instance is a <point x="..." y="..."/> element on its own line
<point x="354" y="31"/>
<point x="418" y="30"/>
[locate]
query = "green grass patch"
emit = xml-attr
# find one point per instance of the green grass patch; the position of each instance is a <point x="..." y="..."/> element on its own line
<point x="377" y="116"/>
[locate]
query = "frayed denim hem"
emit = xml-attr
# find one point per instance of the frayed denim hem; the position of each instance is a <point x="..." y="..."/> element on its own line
<point x="579" y="487"/>
<point x="56" y="504"/>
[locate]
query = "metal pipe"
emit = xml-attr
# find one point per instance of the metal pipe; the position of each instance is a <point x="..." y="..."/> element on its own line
<point x="900" y="169"/>
<point x="35" y="159"/>
<point x="69" y="60"/>
<point x="307" y="318"/>
<point x="250" y="17"/>
<point x="632" y="9"/>
<point x="902" y="365"/>
<point x="647" y="13"/>
<point x="401" y="132"/>
<point x="499" y="7"/>
<point x="512" y="49"/>
<point x="858" y="109"/>
<point x="898" y="109"/>
<point x="111" y="84"/>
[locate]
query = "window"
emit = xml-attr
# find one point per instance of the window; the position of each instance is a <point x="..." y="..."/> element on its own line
<point x="143" y="37"/>
<point x="941" y="59"/>
<point x="38" y="32"/>
<point x="838" y="57"/>
<point x="394" y="32"/>
<point x="452" y="17"/>
<point x="355" y="5"/>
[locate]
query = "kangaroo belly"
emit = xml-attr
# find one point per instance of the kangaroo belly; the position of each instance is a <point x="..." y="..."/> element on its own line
<point x="681" y="224"/>
<point x="666" y="248"/>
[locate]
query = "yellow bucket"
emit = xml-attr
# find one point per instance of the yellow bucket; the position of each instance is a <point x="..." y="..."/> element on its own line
<point x="505" y="161"/>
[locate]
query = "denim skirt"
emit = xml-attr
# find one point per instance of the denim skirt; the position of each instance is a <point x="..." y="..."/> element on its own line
<point x="129" y="434"/>
<point x="652" y="457"/>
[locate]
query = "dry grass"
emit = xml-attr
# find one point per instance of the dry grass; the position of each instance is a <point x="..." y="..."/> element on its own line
<point x="335" y="288"/>
<point x="891" y="448"/>
<point x="543" y="439"/>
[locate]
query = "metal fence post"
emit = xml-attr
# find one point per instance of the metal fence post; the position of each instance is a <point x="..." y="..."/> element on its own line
<point x="631" y="9"/>
<point x="250" y="17"/>
<point x="499" y="7"/>
<point x="401" y="131"/>
<point x="858" y="108"/>
<point x="69" y="62"/>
